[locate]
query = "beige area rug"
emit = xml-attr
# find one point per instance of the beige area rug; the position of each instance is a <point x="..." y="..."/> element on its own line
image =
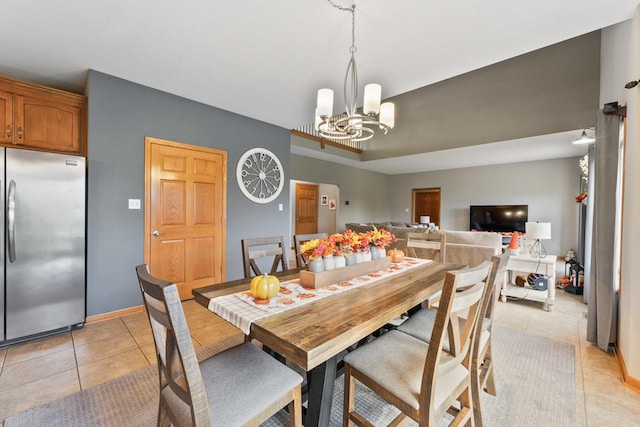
<point x="535" y="377"/>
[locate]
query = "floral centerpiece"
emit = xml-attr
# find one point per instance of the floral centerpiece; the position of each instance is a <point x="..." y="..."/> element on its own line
<point x="381" y="238"/>
<point x="341" y="244"/>
<point x="340" y="249"/>
<point x="313" y="249"/>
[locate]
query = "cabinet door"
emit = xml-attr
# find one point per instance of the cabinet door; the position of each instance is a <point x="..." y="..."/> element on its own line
<point x="46" y="123"/>
<point x="6" y="117"/>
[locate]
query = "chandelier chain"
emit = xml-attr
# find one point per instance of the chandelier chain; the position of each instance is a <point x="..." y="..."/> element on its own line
<point x="351" y="9"/>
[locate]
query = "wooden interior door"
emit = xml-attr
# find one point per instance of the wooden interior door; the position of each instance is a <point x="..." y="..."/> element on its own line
<point x="185" y="214"/>
<point x="426" y="201"/>
<point x="306" y="213"/>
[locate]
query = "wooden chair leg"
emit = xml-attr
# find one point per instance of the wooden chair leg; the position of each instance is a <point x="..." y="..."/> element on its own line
<point x="476" y="390"/>
<point x="295" y="408"/>
<point x="349" y="393"/>
<point x="490" y="385"/>
<point x="466" y="416"/>
<point x="163" y="416"/>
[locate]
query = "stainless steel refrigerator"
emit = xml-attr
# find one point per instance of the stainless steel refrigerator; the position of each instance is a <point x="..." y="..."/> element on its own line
<point x="42" y="288"/>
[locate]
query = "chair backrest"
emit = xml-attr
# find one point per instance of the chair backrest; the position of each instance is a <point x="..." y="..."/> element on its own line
<point x="496" y="277"/>
<point x="299" y="240"/>
<point x="262" y="247"/>
<point x="462" y="296"/>
<point x="429" y="246"/>
<point x="180" y="377"/>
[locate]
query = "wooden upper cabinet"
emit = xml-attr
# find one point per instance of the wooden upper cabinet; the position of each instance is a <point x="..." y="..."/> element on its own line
<point x="6" y="117"/>
<point x="42" y="119"/>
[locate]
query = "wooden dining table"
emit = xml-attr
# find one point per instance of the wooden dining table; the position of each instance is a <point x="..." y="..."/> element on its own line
<point x="313" y="335"/>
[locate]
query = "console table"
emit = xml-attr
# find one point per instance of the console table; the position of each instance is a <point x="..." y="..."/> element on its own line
<point x="527" y="264"/>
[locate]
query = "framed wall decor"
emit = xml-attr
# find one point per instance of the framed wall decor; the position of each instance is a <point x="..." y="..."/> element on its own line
<point x="324" y="200"/>
<point x="332" y="204"/>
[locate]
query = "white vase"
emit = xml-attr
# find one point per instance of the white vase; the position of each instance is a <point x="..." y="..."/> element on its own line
<point x="359" y="257"/>
<point x="316" y="265"/>
<point x="329" y="262"/>
<point x="373" y="250"/>
<point x="366" y="256"/>
<point x="350" y="259"/>
<point x="340" y="261"/>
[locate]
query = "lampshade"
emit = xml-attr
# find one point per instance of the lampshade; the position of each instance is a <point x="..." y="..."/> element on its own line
<point x="325" y="103"/>
<point x="388" y="114"/>
<point x="372" y="94"/>
<point x="538" y="230"/>
<point x="425" y="219"/>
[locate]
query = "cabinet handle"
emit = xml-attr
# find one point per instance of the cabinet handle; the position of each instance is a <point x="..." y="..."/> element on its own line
<point x="8" y="131"/>
<point x="20" y="133"/>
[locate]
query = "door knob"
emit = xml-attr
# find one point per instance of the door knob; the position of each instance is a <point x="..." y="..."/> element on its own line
<point x="156" y="233"/>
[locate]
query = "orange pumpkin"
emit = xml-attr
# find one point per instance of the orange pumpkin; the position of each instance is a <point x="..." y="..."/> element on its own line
<point x="396" y="255"/>
<point x="265" y="286"/>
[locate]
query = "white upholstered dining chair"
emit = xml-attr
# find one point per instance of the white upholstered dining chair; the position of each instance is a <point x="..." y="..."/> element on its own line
<point x="241" y="386"/>
<point x="422" y="379"/>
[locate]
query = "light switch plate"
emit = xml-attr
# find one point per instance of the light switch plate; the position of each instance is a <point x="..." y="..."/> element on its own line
<point x="134" y="203"/>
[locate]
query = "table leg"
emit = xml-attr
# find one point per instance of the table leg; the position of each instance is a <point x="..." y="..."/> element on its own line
<point x="320" y="380"/>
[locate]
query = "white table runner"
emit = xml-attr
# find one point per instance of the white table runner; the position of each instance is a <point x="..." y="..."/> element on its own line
<point x="240" y="310"/>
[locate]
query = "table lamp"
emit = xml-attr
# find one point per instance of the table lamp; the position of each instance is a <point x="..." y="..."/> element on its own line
<point x="538" y="231"/>
<point x="425" y="219"/>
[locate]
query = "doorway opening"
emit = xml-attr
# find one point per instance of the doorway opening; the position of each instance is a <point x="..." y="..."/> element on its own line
<point x="314" y="208"/>
<point x="425" y="202"/>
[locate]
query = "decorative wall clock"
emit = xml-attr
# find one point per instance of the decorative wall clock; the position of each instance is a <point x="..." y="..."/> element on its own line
<point x="260" y="175"/>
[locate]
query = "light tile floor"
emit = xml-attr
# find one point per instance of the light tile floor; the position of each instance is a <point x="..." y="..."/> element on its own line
<point x="47" y="369"/>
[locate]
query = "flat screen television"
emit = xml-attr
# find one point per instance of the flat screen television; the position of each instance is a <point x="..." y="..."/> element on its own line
<point x="498" y="218"/>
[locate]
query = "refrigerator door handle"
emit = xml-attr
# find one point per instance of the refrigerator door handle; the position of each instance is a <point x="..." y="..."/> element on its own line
<point x="11" y="221"/>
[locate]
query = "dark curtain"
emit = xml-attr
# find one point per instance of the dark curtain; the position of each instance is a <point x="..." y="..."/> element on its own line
<point x="603" y="266"/>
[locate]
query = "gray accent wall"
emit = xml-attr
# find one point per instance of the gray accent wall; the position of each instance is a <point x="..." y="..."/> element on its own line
<point x="121" y="115"/>
<point x="367" y="192"/>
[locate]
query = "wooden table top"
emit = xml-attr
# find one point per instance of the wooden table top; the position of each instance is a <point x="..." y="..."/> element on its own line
<point x="310" y="334"/>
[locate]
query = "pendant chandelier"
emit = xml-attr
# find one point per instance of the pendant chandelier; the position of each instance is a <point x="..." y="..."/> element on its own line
<point x="351" y="125"/>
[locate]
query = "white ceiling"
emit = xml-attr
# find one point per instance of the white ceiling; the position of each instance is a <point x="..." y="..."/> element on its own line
<point x="266" y="59"/>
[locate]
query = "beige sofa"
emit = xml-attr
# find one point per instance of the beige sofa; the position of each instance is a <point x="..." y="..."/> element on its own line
<point x="462" y="247"/>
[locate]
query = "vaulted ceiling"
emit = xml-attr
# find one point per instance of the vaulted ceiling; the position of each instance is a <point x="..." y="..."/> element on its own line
<point x="266" y="60"/>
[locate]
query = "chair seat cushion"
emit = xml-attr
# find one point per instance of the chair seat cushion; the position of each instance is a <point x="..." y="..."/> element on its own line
<point x="396" y="360"/>
<point x="242" y="381"/>
<point x="420" y="325"/>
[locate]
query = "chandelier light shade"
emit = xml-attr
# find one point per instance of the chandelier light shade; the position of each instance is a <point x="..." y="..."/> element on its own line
<point x="584" y="138"/>
<point x="351" y="125"/>
<point x="538" y="231"/>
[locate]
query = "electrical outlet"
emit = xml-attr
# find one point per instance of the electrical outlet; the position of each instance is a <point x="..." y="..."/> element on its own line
<point x="134" y="203"/>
